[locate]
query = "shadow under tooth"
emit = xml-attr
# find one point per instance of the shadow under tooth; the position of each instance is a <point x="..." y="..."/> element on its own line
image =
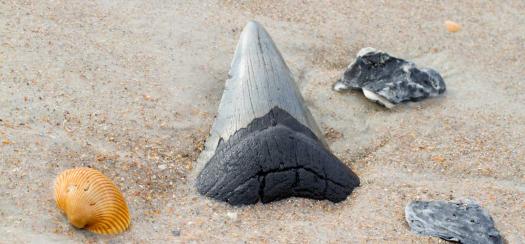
<point x="252" y="153"/>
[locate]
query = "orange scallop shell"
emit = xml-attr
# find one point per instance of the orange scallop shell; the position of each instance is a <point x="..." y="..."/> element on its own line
<point x="92" y="201"/>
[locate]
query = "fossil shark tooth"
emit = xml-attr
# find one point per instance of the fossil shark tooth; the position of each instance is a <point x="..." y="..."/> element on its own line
<point x="264" y="144"/>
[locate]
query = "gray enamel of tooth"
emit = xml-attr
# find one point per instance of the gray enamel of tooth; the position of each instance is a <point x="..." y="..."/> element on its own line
<point x="464" y="222"/>
<point x="388" y="80"/>
<point x="264" y="144"/>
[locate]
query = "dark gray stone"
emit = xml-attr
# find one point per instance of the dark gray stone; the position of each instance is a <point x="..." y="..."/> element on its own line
<point x="389" y="80"/>
<point x="464" y="222"/>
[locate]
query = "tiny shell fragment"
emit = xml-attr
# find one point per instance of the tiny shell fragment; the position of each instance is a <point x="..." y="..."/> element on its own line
<point x="452" y="26"/>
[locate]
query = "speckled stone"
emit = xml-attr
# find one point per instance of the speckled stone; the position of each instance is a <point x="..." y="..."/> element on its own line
<point x="389" y="80"/>
<point x="464" y="222"/>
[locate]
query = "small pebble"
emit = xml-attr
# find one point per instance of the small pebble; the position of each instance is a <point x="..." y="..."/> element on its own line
<point x="175" y="232"/>
<point x="232" y="215"/>
<point x="452" y="26"/>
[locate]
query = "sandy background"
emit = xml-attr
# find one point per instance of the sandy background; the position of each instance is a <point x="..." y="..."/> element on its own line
<point x="131" y="88"/>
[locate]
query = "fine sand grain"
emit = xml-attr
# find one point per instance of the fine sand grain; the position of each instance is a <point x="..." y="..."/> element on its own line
<point x="131" y="88"/>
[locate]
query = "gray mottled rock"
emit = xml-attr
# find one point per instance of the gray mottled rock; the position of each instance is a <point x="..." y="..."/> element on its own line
<point x="464" y="222"/>
<point x="389" y="80"/>
<point x="264" y="144"/>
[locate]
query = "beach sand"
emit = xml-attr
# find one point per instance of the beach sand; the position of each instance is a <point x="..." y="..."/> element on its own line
<point x="131" y="88"/>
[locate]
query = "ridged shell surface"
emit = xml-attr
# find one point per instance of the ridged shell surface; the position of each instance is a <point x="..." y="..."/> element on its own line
<point x="92" y="201"/>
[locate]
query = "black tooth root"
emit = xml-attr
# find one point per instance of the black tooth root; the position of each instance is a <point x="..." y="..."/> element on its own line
<point x="273" y="158"/>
